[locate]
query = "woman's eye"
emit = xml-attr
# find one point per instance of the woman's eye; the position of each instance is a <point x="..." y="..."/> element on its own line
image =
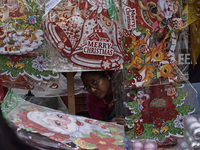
<point x="94" y="82"/>
<point x="58" y="123"/>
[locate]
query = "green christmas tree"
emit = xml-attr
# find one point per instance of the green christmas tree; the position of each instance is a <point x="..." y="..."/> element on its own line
<point x="157" y="112"/>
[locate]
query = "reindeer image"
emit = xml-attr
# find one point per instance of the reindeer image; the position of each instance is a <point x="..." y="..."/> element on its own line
<point x="136" y="43"/>
<point x="159" y="53"/>
<point x="30" y="34"/>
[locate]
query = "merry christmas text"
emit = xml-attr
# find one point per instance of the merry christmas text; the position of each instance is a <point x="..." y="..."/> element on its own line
<point x="98" y="48"/>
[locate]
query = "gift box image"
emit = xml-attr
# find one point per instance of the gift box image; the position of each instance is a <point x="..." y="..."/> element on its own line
<point x="32" y="19"/>
<point x="9" y="48"/>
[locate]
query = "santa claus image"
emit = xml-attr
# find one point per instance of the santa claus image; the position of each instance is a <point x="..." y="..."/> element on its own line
<point x="12" y="10"/>
<point x="56" y="125"/>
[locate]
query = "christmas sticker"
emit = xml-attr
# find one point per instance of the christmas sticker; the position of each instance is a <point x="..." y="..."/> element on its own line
<point x="88" y="37"/>
<point x="64" y="128"/>
<point x="23" y="71"/>
<point x="150" y="40"/>
<point x="20" y="26"/>
<point x="157" y="112"/>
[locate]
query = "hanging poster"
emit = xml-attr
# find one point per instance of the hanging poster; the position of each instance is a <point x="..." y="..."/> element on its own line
<point x="20" y="26"/>
<point x="86" y="33"/>
<point x="150" y="40"/>
<point x="157" y="112"/>
<point x="25" y="71"/>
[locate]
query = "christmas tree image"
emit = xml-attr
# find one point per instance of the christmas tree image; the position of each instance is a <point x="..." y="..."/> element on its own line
<point x="157" y="111"/>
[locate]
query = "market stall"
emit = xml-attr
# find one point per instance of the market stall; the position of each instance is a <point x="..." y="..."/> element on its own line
<point x="129" y="58"/>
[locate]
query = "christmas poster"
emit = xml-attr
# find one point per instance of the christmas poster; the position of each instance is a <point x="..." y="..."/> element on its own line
<point x="86" y="33"/>
<point x="64" y="128"/>
<point x="158" y="111"/>
<point x="20" y="26"/>
<point x="28" y="72"/>
<point x="152" y="38"/>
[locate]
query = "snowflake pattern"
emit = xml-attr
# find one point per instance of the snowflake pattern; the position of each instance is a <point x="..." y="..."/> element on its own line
<point x="98" y="5"/>
<point x="179" y="122"/>
<point x="39" y="63"/>
<point x="106" y="64"/>
<point x="75" y="24"/>
<point x="61" y="45"/>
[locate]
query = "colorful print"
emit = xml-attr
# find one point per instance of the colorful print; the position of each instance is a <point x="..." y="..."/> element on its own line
<point x="150" y="39"/>
<point x="157" y="111"/>
<point x="63" y="128"/>
<point x="20" y="26"/>
<point x="89" y="38"/>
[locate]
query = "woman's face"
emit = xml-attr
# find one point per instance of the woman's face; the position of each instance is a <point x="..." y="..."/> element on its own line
<point x="96" y="84"/>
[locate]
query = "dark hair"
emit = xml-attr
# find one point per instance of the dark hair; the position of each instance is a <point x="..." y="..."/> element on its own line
<point x="101" y="73"/>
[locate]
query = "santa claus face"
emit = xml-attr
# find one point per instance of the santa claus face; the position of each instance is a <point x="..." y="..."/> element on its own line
<point x="140" y="94"/>
<point x="166" y="7"/>
<point x="169" y="7"/>
<point x="12" y="5"/>
<point x="59" y="120"/>
<point x="53" y="121"/>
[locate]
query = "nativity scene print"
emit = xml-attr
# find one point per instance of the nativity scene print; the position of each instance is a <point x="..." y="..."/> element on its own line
<point x="20" y="26"/>
<point x="157" y="112"/>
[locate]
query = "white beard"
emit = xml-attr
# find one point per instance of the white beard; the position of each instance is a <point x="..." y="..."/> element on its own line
<point x="40" y="118"/>
<point x="73" y="129"/>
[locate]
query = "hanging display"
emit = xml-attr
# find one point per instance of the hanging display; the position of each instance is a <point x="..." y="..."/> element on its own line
<point x="86" y="33"/>
<point x="150" y="40"/>
<point x="157" y="112"/>
<point x="27" y="72"/>
<point x="20" y="26"/>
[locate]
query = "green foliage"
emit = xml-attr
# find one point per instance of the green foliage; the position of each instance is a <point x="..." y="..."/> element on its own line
<point x="141" y="29"/>
<point x="184" y="110"/>
<point x="99" y="133"/>
<point x="147" y="133"/>
<point x="133" y="105"/>
<point x="28" y="68"/>
<point x="118" y="137"/>
<point x="179" y="84"/>
<point x="178" y="90"/>
<point x="91" y="145"/>
<point x="133" y="92"/>
<point x="179" y="99"/>
<point x="114" y="129"/>
<point x="118" y="143"/>
<point x="172" y="128"/>
<point x="86" y="135"/>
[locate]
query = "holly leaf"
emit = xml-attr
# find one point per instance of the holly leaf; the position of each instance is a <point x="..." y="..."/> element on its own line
<point x="98" y="133"/>
<point x="86" y="135"/>
<point x="118" y="137"/>
<point x="118" y="143"/>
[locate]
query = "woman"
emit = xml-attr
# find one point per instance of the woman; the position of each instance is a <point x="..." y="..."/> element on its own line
<point x="100" y="100"/>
